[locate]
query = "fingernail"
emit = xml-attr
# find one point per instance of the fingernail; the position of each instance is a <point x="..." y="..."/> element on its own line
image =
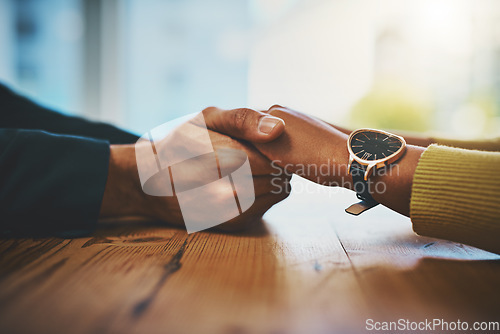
<point x="267" y="124"/>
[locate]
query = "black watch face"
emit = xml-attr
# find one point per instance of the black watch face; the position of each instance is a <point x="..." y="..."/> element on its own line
<point x="373" y="145"/>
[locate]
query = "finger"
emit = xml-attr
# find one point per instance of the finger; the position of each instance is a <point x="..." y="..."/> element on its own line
<point x="229" y="158"/>
<point x="305" y="142"/>
<point x="244" y="123"/>
<point x="275" y="106"/>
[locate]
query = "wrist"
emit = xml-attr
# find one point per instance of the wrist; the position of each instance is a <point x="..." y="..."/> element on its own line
<point x="341" y="176"/>
<point x="123" y="194"/>
<point x="398" y="180"/>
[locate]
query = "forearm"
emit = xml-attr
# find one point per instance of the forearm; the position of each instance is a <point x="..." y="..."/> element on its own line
<point x="423" y="141"/>
<point x="492" y="144"/>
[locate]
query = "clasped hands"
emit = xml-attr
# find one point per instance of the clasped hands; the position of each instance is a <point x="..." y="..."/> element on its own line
<point x="278" y="143"/>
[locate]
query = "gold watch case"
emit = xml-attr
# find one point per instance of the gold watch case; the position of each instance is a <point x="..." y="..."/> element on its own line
<point x="379" y="163"/>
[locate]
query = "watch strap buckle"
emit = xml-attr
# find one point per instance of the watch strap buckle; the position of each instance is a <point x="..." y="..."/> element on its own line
<point x="360" y="207"/>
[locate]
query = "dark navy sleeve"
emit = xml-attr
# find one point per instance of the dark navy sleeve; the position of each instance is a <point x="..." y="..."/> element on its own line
<point x="50" y="183"/>
<point x="18" y="112"/>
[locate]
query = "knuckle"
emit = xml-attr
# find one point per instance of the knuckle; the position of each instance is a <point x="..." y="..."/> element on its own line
<point x="208" y="110"/>
<point x="240" y="117"/>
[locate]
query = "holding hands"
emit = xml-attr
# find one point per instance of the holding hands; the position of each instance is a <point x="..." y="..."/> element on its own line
<point x="317" y="151"/>
<point x="277" y="142"/>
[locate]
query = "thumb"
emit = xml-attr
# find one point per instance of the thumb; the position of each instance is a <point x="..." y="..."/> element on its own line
<point x="247" y="124"/>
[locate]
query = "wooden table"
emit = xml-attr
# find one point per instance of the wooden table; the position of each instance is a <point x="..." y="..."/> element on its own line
<point x="308" y="268"/>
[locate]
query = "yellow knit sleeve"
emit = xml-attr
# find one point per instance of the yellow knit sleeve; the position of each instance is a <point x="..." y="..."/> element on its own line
<point x="483" y="145"/>
<point x="456" y="196"/>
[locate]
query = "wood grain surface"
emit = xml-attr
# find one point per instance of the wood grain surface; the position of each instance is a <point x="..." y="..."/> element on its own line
<point x="307" y="268"/>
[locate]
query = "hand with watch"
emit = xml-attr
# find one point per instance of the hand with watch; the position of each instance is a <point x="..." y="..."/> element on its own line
<point x="352" y="161"/>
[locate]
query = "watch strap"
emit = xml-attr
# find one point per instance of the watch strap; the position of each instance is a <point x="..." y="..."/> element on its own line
<point x="362" y="189"/>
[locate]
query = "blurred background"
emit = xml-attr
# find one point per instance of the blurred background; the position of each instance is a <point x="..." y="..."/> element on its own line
<point x="414" y="65"/>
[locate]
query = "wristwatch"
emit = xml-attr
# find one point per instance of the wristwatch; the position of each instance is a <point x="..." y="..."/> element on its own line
<point x="369" y="151"/>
